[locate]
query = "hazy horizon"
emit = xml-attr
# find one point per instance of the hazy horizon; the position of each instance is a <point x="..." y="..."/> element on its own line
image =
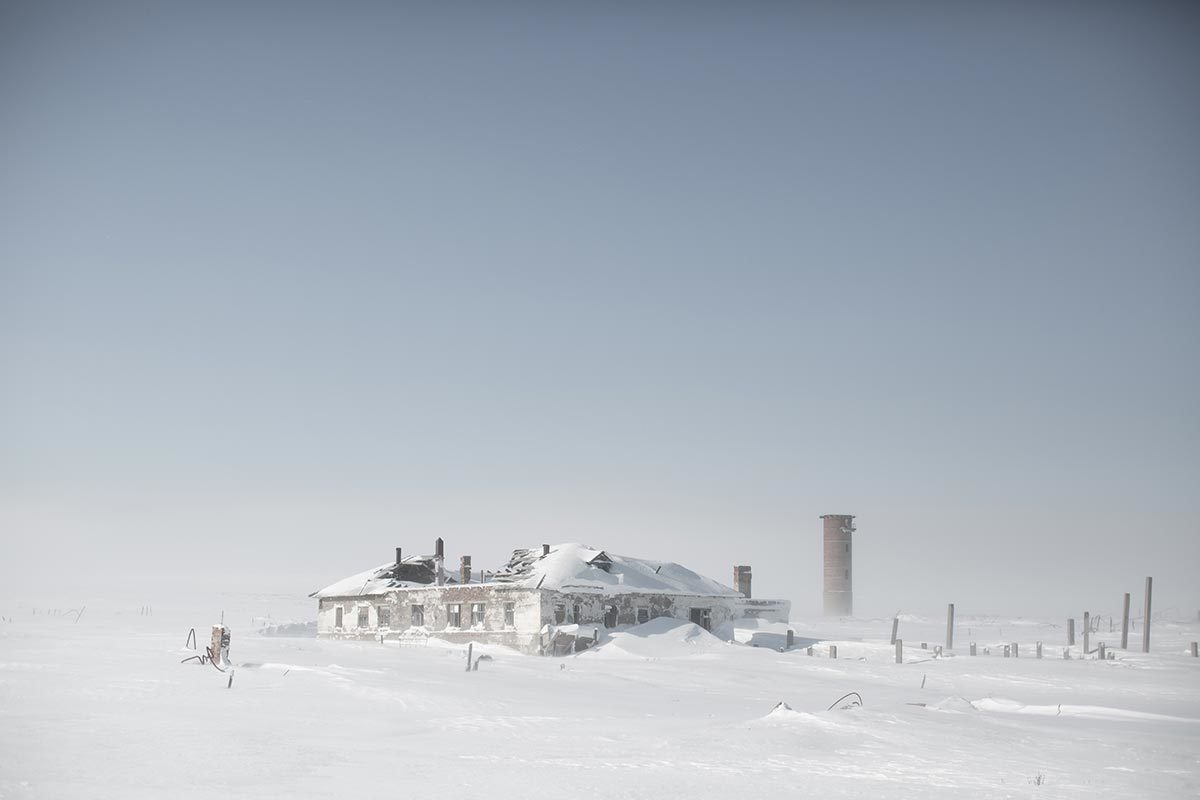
<point x="285" y="287"/>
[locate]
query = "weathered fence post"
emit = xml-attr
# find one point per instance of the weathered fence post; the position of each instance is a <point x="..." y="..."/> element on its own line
<point x="1100" y="650"/>
<point x="895" y="628"/>
<point x="950" y="627"/>
<point x="1071" y="631"/>
<point x="833" y="651"/>
<point x="1037" y="649"/>
<point x="791" y="639"/>
<point x="900" y="650"/>
<point x="1146" y="617"/>
<point x="1125" y="623"/>
<point x="470" y="648"/>
<point x="1015" y="650"/>
<point x="1195" y="653"/>
<point x="1087" y="630"/>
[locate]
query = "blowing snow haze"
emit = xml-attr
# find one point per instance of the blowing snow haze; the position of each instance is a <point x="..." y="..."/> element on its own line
<point x="285" y="287"/>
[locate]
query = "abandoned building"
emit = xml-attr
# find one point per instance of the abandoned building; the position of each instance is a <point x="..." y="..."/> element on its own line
<point x="549" y="599"/>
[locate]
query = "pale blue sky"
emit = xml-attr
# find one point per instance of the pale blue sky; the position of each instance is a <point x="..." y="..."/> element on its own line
<point x="291" y="286"/>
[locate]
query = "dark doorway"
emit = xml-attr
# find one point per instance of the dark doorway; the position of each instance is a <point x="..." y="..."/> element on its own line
<point x="610" y="616"/>
<point x="337" y="617"/>
<point x="702" y="617"/>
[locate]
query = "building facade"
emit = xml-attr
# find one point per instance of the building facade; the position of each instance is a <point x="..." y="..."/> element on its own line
<point x="545" y="600"/>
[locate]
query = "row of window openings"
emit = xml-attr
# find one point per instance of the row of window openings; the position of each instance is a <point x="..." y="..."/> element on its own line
<point x="700" y="616"/>
<point x="453" y="615"/>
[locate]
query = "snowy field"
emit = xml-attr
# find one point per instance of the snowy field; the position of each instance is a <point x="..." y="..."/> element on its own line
<point x="102" y="708"/>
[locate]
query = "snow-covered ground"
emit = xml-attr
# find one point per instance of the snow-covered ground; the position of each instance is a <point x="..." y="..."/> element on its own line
<point x="103" y="708"/>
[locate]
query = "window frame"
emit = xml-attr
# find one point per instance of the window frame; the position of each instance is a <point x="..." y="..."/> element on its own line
<point x="454" y="615"/>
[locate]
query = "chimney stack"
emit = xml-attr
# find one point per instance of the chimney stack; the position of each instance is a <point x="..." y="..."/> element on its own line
<point x="741" y="580"/>
<point x="545" y="549"/>
<point x="396" y="569"/>
<point x="464" y="569"/>
<point x="399" y="557"/>
<point x="439" y="557"/>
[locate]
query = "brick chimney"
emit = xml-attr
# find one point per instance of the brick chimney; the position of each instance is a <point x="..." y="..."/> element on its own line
<point x="741" y="580"/>
<point x="396" y="569"/>
<point x="439" y="557"/>
<point x="464" y="570"/>
<point x="545" y="550"/>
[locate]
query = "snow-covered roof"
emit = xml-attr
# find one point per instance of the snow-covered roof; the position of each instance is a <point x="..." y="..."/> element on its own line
<point x="566" y="568"/>
<point x="579" y="568"/>
<point x="414" y="571"/>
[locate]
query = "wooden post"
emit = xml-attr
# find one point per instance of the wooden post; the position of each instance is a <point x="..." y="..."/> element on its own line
<point x="1037" y="649"/>
<point x="972" y="648"/>
<point x="1015" y="651"/>
<point x="833" y="651"/>
<point x="895" y="628"/>
<point x="470" y="648"/>
<point x="1146" y="617"/>
<point x="1100" y="650"/>
<point x="1087" y="630"/>
<point x="1125" y="623"/>
<point x="1071" y="631"/>
<point x="900" y="650"/>
<point x="791" y="639"/>
<point x="1195" y="653"/>
<point x="950" y="627"/>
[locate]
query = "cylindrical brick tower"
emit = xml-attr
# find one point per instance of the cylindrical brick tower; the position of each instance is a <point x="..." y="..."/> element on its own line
<point x="839" y="572"/>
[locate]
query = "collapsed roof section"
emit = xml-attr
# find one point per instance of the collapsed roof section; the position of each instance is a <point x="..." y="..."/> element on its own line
<point x="579" y="568"/>
<point x="408" y="573"/>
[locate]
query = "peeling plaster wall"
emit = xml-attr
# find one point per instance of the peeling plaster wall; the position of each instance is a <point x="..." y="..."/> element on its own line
<point x="522" y="634"/>
<point x="592" y="606"/>
<point x="532" y="608"/>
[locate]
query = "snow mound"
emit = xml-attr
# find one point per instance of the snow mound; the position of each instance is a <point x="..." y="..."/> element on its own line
<point x="783" y="715"/>
<point x="953" y="704"/>
<point x="663" y="637"/>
